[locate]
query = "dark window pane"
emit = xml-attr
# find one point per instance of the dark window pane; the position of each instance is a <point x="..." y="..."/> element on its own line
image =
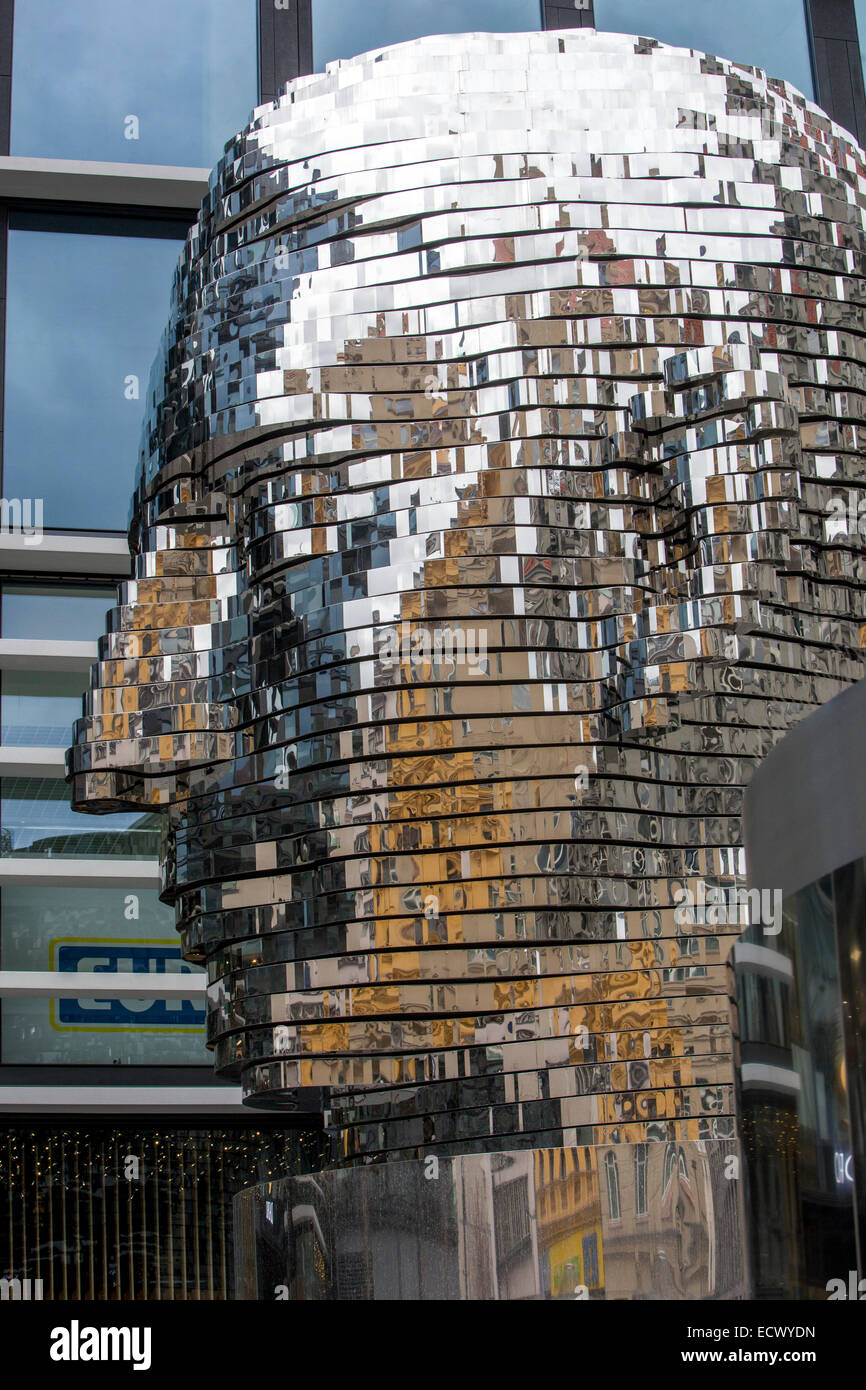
<point x="771" y="34"/>
<point x="341" y="30"/>
<point x="84" y="316"/>
<point x="38" y="821"/>
<point x="161" y="82"/>
<point x="67" y="614"/>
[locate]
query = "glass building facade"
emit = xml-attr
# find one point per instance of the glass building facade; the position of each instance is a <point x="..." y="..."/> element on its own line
<point x="802" y="1009"/>
<point x="85" y="304"/>
<point x="109" y="173"/>
<point x="161" y="83"/>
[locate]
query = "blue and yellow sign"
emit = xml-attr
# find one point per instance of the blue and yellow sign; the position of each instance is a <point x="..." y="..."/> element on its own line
<point x="98" y="955"/>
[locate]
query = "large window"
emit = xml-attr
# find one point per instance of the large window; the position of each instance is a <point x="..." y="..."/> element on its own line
<point x="132" y="81"/>
<point x="104" y="930"/>
<point x="87" y="302"/>
<point x="341" y="30"/>
<point x="38" y="707"/>
<point x="38" y="822"/>
<point x="771" y="34"/>
<point x="66" y="613"/>
<point x="101" y="925"/>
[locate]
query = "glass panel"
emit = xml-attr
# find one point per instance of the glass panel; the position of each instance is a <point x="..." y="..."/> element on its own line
<point x="86" y="306"/>
<point x="38" y="707"/>
<point x="67" y="614"/>
<point x="771" y="35"/>
<point x="341" y="30"/>
<point x="117" y="80"/>
<point x="795" y="1105"/>
<point x="37" y="820"/>
<point x="100" y="929"/>
<point x="849" y="900"/>
<point x="860" y="12"/>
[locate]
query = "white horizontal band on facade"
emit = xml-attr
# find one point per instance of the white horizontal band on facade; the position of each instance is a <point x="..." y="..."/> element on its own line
<point x="42" y="872"/>
<point x="45" y="654"/>
<point x="762" y="960"/>
<point x="763" y="1077"/>
<point x="32" y="762"/>
<point x="123" y="1100"/>
<point x="90" y="984"/>
<point x="66" y="554"/>
<point x="95" y="181"/>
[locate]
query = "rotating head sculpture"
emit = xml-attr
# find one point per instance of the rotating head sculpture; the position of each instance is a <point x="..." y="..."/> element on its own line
<point x="494" y="519"/>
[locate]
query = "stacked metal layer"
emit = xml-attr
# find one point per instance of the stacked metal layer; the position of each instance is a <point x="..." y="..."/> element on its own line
<point x="488" y="534"/>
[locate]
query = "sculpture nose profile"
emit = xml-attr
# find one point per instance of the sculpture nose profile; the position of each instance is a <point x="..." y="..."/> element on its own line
<point x="150" y="714"/>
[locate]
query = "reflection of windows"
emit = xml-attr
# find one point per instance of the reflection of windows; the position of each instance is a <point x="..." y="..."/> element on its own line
<point x="669" y="1165"/>
<point x="87" y="298"/>
<point x="511" y="1218"/>
<point x="770" y="35"/>
<point x="154" y="83"/>
<point x="38" y="707"/>
<point x="590" y="1261"/>
<point x="675" y="1162"/>
<point x="341" y="30"/>
<point x="765" y="1009"/>
<point x="611" y="1173"/>
<point x="354" y="1281"/>
<point x="640" y="1176"/>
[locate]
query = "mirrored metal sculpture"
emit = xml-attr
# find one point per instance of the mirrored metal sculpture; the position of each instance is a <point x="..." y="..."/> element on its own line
<point x="488" y="534"/>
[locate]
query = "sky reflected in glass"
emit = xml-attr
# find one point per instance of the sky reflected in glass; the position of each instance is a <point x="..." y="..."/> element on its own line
<point x="769" y="34"/>
<point x="341" y="30"/>
<point x="85" y="313"/>
<point x="68" y="614"/>
<point x="183" y="70"/>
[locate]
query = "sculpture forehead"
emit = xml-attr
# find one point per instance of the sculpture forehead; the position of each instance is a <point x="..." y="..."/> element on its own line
<point x="419" y="193"/>
<point x="548" y="349"/>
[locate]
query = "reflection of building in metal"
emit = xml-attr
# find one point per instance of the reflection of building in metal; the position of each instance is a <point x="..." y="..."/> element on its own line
<point x="689" y="1251"/>
<point x="802" y="1007"/>
<point x="455" y="350"/>
<point x="569" y="1220"/>
<point x="548" y="1223"/>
